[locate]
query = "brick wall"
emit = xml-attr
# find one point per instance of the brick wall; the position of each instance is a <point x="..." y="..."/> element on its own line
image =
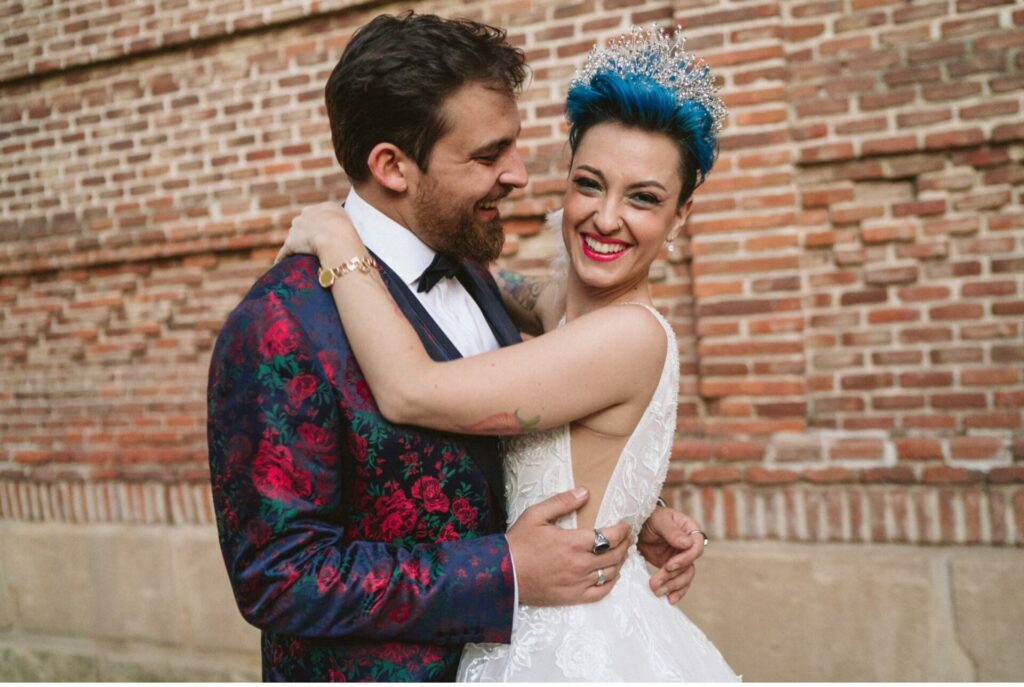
<point x="849" y="299"/>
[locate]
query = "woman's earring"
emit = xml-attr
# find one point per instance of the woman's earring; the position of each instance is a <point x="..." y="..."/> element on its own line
<point x="671" y="245"/>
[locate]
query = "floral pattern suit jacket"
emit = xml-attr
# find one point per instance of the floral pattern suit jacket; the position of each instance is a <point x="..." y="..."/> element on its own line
<point x="362" y="550"/>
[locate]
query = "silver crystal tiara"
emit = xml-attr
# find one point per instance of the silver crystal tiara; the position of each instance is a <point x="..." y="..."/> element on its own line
<point x="651" y="53"/>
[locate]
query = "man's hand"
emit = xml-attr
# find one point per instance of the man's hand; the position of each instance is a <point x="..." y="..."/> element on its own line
<point x="666" y="542"/>
<point x="557" y="567"/>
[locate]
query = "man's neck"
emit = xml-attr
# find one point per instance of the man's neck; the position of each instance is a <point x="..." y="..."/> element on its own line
<point x="385" y="202"/>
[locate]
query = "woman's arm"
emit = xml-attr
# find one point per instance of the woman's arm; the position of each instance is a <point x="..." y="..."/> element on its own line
<point x="597" y="361"/>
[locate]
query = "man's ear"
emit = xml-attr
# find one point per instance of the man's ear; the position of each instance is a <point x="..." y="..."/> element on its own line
<point x="390" y="167"/>
<point x="680" y="220"/>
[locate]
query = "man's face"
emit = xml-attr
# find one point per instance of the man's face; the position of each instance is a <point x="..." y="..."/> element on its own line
<point x="473" y="166"/>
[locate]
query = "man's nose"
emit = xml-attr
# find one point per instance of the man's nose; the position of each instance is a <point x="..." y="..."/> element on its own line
<point x="514" y="174"/>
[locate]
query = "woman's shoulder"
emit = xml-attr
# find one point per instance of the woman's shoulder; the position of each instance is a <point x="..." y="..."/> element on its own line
<point x="631" y="327"/>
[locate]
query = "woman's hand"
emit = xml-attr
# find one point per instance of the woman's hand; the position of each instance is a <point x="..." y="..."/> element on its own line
<point x="323" y="230"/>
<point x="669" y="541"/>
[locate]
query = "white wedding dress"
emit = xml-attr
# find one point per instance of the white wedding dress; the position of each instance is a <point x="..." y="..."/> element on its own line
<point x="631" y="634"/>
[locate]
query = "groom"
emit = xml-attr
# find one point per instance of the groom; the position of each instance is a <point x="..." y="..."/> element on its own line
<point x="365" y="550"/>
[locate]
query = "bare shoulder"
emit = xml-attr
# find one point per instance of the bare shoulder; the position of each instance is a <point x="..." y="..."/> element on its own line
<point x="629" y="330"/>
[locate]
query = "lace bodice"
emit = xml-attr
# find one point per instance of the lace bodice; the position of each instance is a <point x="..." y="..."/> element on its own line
<point x="539" y="465"/>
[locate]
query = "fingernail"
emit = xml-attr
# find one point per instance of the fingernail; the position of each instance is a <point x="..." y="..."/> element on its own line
<point x="579" y="492"/>
<point x="662" y="592"/>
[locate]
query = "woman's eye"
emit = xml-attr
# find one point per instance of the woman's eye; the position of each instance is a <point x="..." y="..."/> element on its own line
<point x="586" y="184"/>
<point x="645" y="199"/>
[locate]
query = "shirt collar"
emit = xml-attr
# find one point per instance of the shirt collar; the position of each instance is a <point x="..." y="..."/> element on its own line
<point x="396" y="245"/>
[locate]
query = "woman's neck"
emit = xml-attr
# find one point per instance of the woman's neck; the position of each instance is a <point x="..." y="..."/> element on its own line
<point x="581" y="299"/>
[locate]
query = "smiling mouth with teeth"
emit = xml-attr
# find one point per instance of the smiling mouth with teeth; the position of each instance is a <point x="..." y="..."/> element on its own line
<point x="604" y="248"/>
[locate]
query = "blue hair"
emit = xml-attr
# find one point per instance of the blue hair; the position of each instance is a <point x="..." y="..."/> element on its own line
<point x="638" y="101"/>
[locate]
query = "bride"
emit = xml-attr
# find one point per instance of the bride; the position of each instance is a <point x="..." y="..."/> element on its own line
<point x="593" y="400"/>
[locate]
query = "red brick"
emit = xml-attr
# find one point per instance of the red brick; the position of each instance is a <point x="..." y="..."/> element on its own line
<point x="830" y="476"/>
<point x="926" y="335"/>
<point x="958" y="401"/>
<point x="891" y="275"/>
<point x="974" y="448"/>
<point x="1006" y="475"/>
<point x="762" y="476"/>
<point x="999" y="419"/>
<point x="994" y="376"/>
<point x="826" y="153"/>
<point x="826" y="197"/>
<point x="956" y="355"/>
<point x="1009" y="399"/>
<point x="692" y="450"/>
<point x="857" y="449"/>
<point x="889" y="145"/>
<point x="950" y="91"/>
<point x="884" y="234"/>
<point x="956" y="311"/>
<point x="715" y="475"/>
<point x="919" y="208"/>
<point x="750" y="387"/>
<point x="918" y="118"/>
<point x="942" y="474"/>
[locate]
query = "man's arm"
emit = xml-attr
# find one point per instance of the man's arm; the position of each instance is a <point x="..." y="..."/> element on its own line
<point x="275" y="444"/>
<point x="533" y="302"/>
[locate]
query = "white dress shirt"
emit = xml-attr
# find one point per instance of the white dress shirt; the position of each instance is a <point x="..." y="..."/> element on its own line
<point x="448" y="303"/>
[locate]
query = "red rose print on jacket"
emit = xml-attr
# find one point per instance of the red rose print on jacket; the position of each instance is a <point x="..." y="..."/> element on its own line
<point x="464" y="512"/>
<point x="329" y="579"/>
<point x="396" y="515"/>
<point x="300" y="388"/>
<point x="429" y="490"/>
<point x="279" y="338"/>
<point x="330" y="362"/>
<point x="357" y="447"/>
<point x="448" y="534"/>
<point x="258" y="533"/>
<point x="317" y="438"/>
<point x="276" y="476"/>
<point x="416" y="571"/>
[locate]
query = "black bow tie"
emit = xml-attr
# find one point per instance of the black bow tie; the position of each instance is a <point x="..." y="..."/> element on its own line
<point x="441" y="267"/>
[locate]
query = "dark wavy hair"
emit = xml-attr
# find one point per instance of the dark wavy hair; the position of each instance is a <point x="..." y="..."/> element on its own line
<point x="395" y="74"/>
<point x="637" y="101"/>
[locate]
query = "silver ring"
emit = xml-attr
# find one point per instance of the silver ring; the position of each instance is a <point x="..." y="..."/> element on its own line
<point x="601" y="543"/>
<point x="701" y="533"/>
<point x="600" y="577"/>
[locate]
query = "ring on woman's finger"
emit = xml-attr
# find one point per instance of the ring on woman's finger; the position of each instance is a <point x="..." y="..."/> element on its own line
<point x="600" y="577"/>
<point x="601" y="543"/>
<point x="701" y="533"/>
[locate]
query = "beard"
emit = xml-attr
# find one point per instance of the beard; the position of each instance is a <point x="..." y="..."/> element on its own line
<point x="454" y="230"/>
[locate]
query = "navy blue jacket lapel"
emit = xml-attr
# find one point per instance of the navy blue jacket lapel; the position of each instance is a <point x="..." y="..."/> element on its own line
<point x="485" y="292"/>
<point x="437" y="343"/>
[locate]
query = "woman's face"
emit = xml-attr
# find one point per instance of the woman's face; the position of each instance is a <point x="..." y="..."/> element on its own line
<point x="621" y="204"/>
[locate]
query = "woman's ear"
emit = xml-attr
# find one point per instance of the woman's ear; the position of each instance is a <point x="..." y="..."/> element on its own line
<point x="679" y="223"/>
<point x="389" y="167"/>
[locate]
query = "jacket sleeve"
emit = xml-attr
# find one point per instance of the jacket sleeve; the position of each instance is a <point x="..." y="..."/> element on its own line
<point x="275" y="442"/>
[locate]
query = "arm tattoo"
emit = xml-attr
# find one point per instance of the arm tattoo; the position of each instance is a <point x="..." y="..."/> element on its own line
<point x="503" y="423"/>
<point x="523" y="289"/>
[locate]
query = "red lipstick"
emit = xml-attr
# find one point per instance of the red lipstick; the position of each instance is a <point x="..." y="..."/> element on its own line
<point x="602" y="257"/>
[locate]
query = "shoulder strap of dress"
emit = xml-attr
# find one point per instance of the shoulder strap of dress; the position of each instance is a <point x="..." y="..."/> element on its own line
<point x="653" y="310"/>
